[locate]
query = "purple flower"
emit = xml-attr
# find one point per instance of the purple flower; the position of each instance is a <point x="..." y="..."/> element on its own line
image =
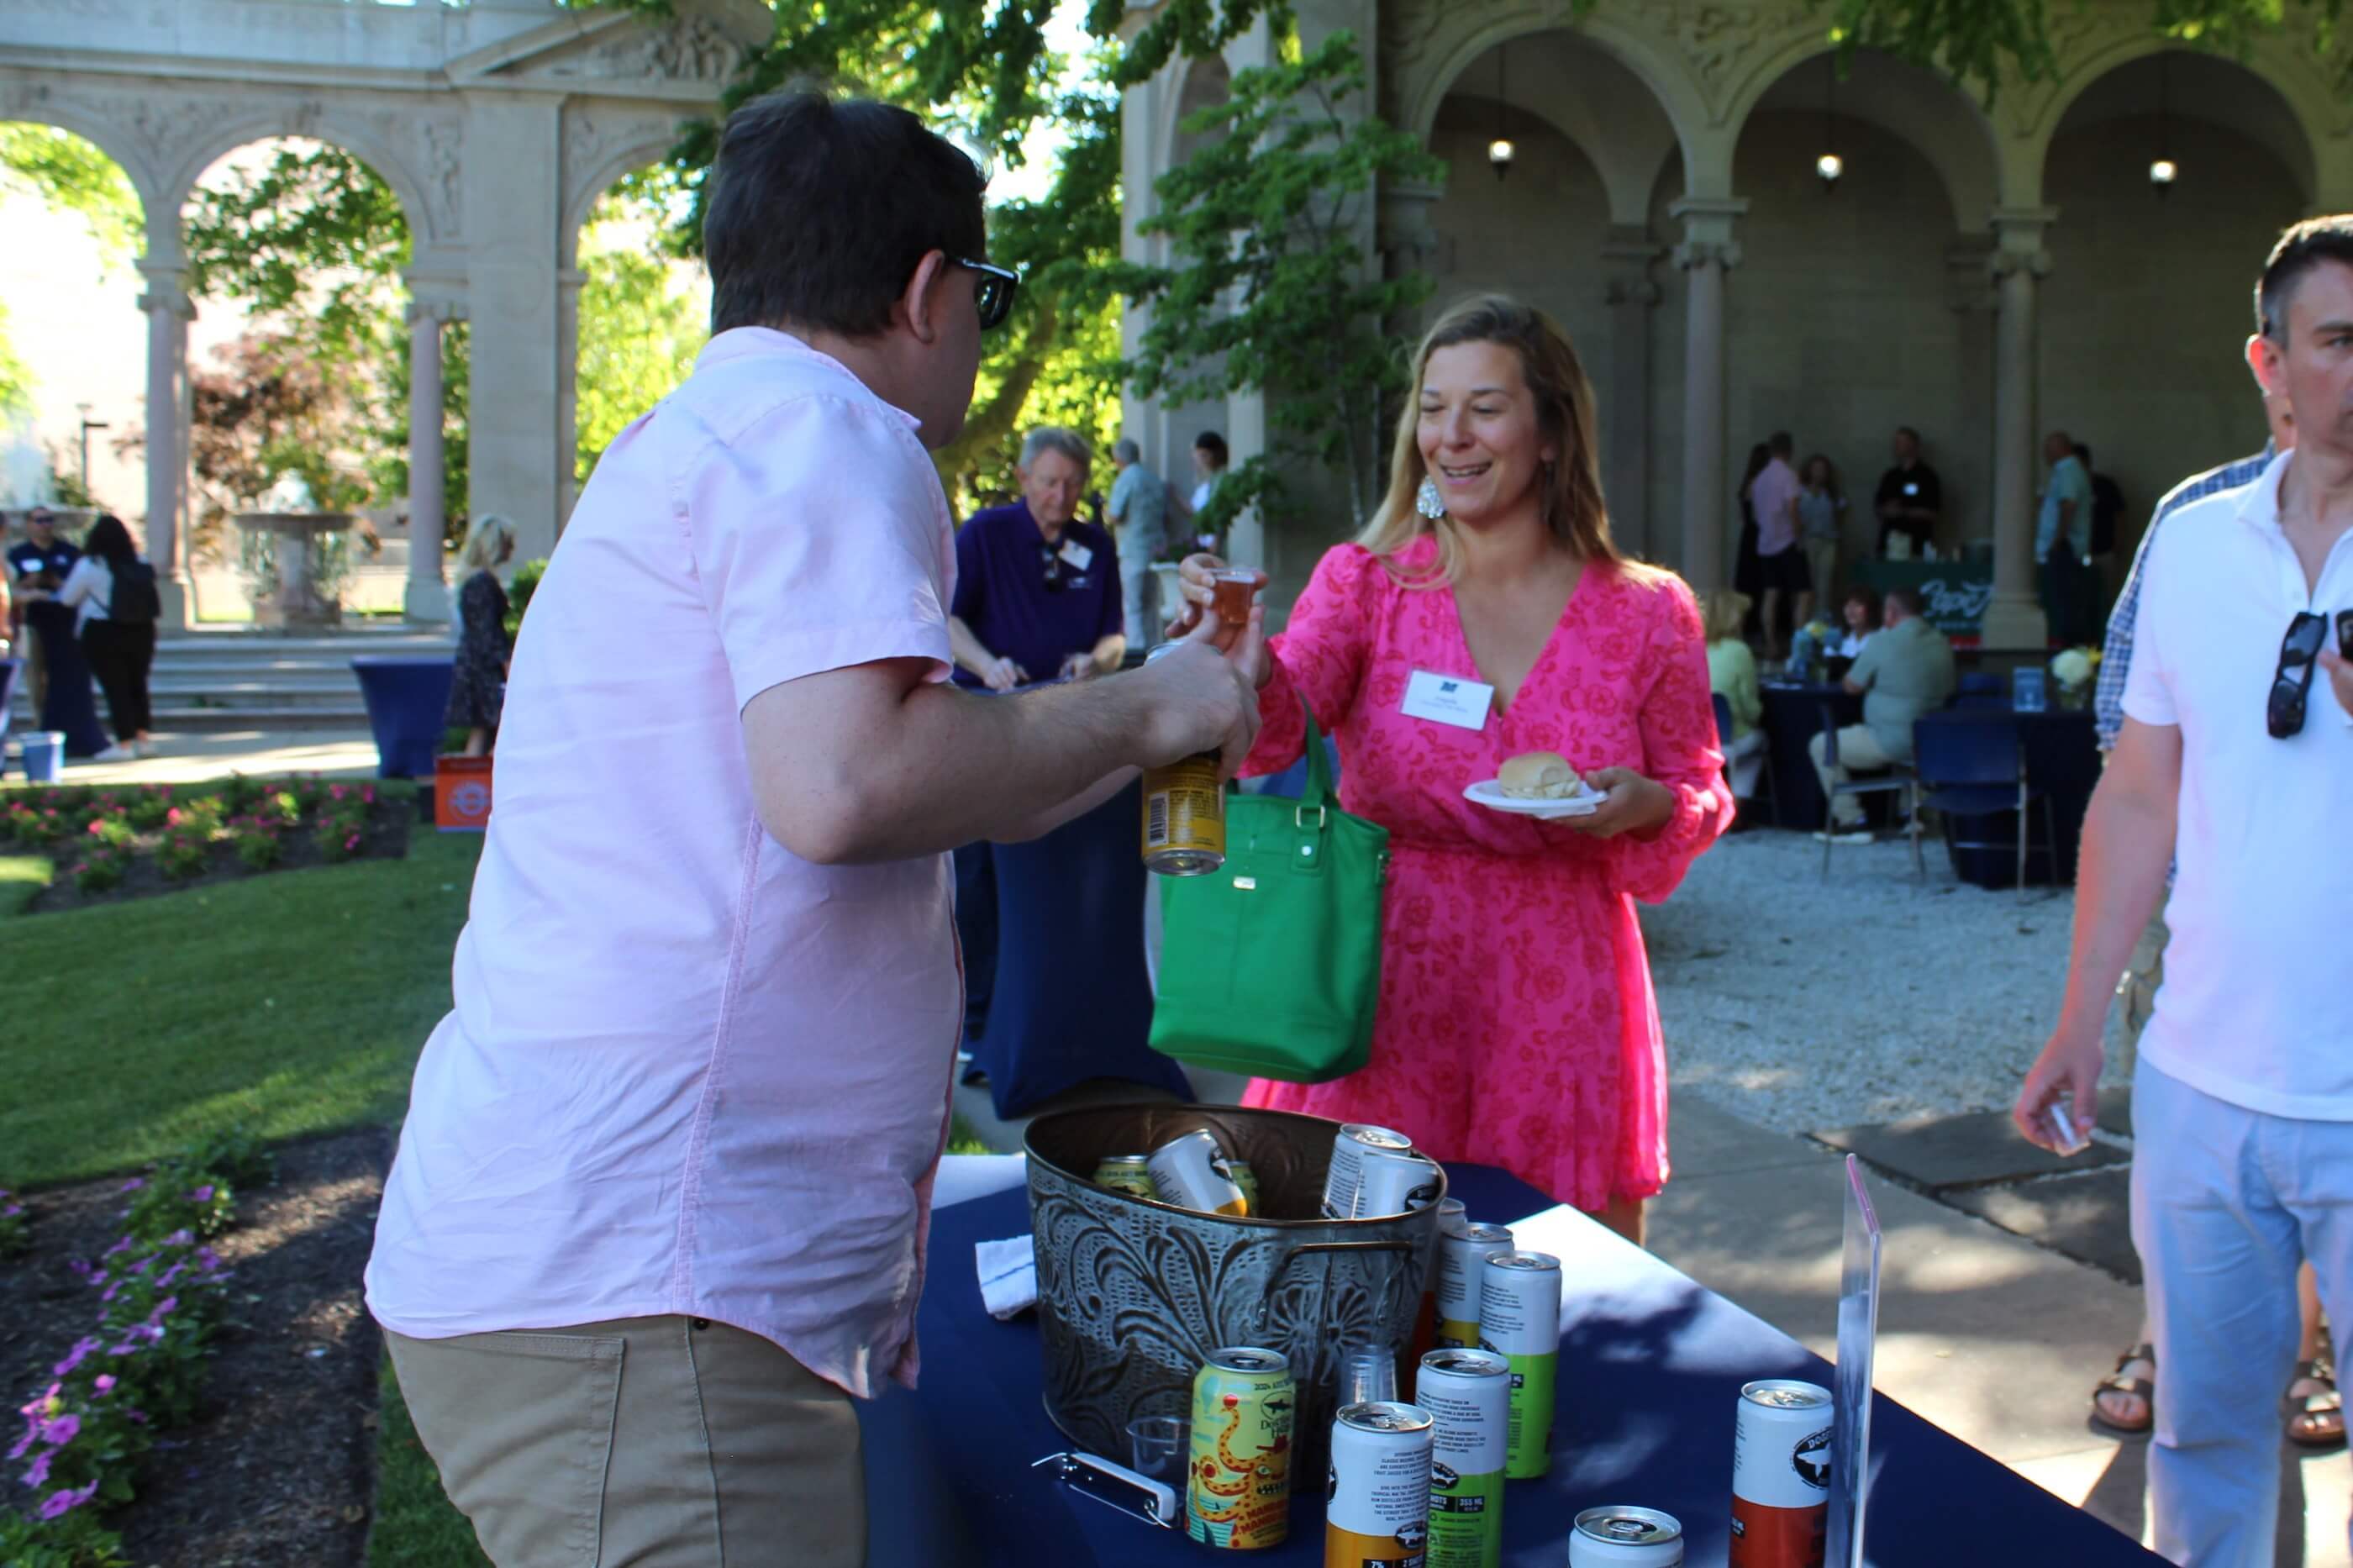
<point x="60" y="1504"/>
<point x="184" y="1236"/>
<point x="208" y="1259"/>
<point x="136" y="1417"/>
<point x="104" y="1383"/>
<point x="203" y="1194"/>
<point x="125" y="1245"/>
<point x="163" y="1280"/>
<point x="75" y="1357"/>
<point x="81" y="1267"/>
<point x="97" y="1278"/>
<point x="109" y="1294"/>
<point x="32" y="1430"/>
<point x="163" y="1310"/>
<point x="61" y="1431"/>
<point x="38" y="1471"/>
<point x="132" y="1185"/>
<point x="12" y="1211"/>
<point x="128" y="1347"/>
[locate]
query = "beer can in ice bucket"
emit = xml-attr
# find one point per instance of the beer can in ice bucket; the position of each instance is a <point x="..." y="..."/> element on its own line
<point x="1189" y="1171"/>
<point x="1780" y="1475"/>
<point x="1625" y="1537"/>
<point x="1463" y="1255"/>
<point x="1451" y="1216"/>
<point x="1389" y="1182"/>
<point x="1127" y="1173"/>
<point x="1468" y="1394"/>
<point x="1247" y="1180"/>
<point x="1238" y="1489"/>
<point x="1348" y="1146"/>
<point x="1519" y="1319"/>
<point x="1377" y="1514"/>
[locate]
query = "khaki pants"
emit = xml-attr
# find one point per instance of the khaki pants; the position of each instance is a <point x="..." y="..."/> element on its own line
<point x="639" y="1443"/>
<point x="1822" y="566"/>
<point x="1858" y="748"/>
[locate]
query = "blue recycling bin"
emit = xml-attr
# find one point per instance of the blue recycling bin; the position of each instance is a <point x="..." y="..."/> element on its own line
<point x="405" y="701"/>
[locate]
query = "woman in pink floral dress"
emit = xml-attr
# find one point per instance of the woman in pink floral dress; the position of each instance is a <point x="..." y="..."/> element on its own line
<point x="1517" y="1025"/>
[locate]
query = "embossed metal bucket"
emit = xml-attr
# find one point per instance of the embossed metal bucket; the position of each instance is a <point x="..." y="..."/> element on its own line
<point x="1133" y="1295"/>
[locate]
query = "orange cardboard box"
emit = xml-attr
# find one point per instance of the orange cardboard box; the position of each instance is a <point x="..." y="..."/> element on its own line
<point x="461" y="794"/>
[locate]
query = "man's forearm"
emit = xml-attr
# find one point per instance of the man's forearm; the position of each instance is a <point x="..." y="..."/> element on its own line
<point x="969" y="652"/>
<point x="1039" y="824"/>
<point x="2126" y="849"/>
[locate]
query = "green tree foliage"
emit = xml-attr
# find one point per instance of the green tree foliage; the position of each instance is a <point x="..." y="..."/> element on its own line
<point x="62" y="169"/>
<point x="1270" y="290"/>
<point x="639" y="330"/>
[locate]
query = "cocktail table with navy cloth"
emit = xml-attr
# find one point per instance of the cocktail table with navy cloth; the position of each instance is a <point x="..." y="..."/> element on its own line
<point x="407" y="701"/>
<point x="1652" y="1366"/>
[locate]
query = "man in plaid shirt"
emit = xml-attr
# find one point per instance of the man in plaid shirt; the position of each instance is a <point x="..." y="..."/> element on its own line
<point x="2123" y="1401"/>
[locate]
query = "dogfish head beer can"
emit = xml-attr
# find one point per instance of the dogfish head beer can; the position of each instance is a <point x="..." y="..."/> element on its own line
<point x="1184" y="810"/>
<point x="1780" y="1475"/>
<point x="1392" y="1183"/>
<point x="1247" y="1180"/>
<point x="1519" y="1319"/>
<point x="1191" y="1172"/>
<point x="1463" y="1255"/>
<point x="1127" y="1173"/>
<point x="1623" y="1537"/>
<point x="1349" y="1148"/>
<point x="1377" y="1503"/>
<point x="1468" y="1394"/>
<point x="1238" y="1489"/>
<point x="1452" y="1217"/>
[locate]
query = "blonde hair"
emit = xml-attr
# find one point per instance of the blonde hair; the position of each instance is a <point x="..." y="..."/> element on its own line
<point x="1722" y="613"/>
<point x="486" y="540"/>
<point x="1574" y="512"/>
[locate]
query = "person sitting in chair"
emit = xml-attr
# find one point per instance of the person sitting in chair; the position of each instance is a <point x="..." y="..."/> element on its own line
<point x="1903" y="672"/>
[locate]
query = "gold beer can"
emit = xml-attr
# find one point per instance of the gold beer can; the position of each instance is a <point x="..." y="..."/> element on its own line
<point x="1127" y="1173"/>
<point x="1238" y="1488"/>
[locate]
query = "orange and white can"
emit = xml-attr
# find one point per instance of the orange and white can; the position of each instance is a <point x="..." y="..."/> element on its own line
<point x="1780" y="1475"/>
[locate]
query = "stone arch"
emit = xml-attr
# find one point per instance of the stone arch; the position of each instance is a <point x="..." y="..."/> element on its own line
<point x="1613" y="120"/>
<point x="317" y="124"/>
<point x="598" y="178"/>
<point x="99" y="132"/>
<point x="1206" y="81"/>
<point x="1924" y="110"/>
<point x="2284" y="121"/>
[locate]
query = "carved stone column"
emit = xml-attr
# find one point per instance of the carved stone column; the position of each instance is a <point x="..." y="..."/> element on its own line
<point x="2014" y="618"/>
<point x="169" y="312"/>
<point x="1711" y="248"/>
<point x="1625" y="412"/>
<point x="426" y="598"/>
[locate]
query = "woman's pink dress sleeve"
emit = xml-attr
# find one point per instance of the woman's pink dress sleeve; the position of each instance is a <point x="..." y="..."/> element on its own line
<point x="1679" y="749"/>
<point x="1320" y="656"/>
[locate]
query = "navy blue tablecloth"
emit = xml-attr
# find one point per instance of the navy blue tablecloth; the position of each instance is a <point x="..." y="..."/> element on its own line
<point x="1070" y="1000"/>
<point x="2060" y="749"/>
<point x="68" y="703"/>
<point x="1793" y="717"/>
<point x="406" y="700"/>
<point x="1651" y="1366"/>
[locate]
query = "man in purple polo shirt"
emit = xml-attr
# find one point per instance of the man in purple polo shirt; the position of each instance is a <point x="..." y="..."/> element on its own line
<point x="1036" y="594"/>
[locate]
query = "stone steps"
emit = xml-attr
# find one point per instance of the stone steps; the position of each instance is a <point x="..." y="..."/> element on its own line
<point x="212" y="682"/>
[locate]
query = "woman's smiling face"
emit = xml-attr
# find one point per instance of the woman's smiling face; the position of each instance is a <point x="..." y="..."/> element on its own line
<point x="1480" y="435"/>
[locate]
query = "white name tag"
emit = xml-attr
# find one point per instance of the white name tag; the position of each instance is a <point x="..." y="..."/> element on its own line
<point x="1911" y="489"/>
<point x="1449" y="700"/>
<point x="1077" y="555"/>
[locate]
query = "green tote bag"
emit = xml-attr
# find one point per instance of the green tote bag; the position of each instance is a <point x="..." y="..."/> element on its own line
<point x="1272" y="965"/>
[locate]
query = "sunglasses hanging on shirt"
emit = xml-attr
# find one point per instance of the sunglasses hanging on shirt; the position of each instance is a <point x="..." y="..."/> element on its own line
<point x="2292" y="681"/>
<point x="1052" y="558"/>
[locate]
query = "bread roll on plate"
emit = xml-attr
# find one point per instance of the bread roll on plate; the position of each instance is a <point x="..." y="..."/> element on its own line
<point x="1539" y="775"/>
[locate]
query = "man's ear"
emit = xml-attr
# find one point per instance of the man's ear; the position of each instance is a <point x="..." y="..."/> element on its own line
<point x="2263" y="358"/>
<point x="921" y="302"/>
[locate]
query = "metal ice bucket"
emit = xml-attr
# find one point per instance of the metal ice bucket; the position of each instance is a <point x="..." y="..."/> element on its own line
<point x="1133" y="1295"/>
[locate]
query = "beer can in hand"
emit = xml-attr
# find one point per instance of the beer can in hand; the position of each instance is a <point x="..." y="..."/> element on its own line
<point x="1189" y="1171"/>
<point x="1238" y="1491"/>
<point x="1127" y="1173"/>
<point x="1519" y="1319"/>
<point x="1781" y="1475"/>
<point x="1468" y="1394"/>
<point x="1378" y="1512"/>
<point x="1394" y="1182"/>
<point x="1348" y="1146"/>
<point x="1463" y="1255"/>
<point x="1621" y="1536"/>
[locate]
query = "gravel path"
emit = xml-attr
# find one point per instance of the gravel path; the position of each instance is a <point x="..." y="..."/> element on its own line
<point x="1806" y="1005"/>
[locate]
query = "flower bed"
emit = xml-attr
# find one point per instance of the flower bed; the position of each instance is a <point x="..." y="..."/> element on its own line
<point x="112" y="844"/>
<point x="157" y="1300"/>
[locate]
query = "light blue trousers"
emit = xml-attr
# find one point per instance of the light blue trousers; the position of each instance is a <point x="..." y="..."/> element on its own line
<point x="2226" y="1202"/>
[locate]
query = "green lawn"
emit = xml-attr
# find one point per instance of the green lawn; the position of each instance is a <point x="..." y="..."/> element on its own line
<point x="290" y="1003"/>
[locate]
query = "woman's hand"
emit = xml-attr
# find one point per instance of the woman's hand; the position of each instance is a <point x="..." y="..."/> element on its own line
<point x="1630" y="803"/>
<point x="1197" y="584"/>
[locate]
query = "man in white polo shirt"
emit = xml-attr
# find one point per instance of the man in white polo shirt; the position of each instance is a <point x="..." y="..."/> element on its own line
<point x="659" y="1205"/>
<point x="2236" y="759"/>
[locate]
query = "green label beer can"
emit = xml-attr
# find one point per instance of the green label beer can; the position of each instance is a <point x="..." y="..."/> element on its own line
<point x="1519" y="1319"/>
<point x="1127" y="1173"/>
<point x="1462" y="1253"/>
<point x="1468" y="1394"/>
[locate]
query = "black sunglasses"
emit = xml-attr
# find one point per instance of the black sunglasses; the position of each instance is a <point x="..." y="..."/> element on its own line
<point x="993" y="291"/>
<point x="1052" y="558"/>
<point x="2299" y="652"/>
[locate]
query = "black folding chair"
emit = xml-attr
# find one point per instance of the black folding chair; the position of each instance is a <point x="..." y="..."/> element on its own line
<point x="1894" y="779"/>
<point x="1973" y="768"/>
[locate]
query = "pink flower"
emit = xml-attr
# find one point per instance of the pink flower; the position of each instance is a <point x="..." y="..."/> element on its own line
<point x="104" y="1383"/>
<point x="61" y="1431"/>
<point x="353" y="842"/>
<point x="94" y="829"/>
<point x="132" y="1185"/>
<point x="62" y="1503"/>
<point x="125" y="1245"/>
<point x="203" y="1194"/>
<point x="163" y="1310"/>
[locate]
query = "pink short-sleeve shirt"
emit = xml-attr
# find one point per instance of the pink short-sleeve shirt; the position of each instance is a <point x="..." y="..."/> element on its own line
<point x="686" y="1071"/>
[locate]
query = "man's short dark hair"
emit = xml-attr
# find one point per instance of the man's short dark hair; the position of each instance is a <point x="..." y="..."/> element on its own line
<point x="1783" y="443"/>
<point x="1907" y="430"/>
<point x="1209" y="441"/>
<point x="819" y="212"/>
<point x="1908" y="600"/>
<point x="2302" y="246"/>
<point x="2084" y="453"/>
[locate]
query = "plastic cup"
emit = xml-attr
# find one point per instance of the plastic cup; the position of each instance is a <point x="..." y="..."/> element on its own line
<point x="1160" y="1448"/>
<point x="1369" y="1375"/>
<point x="1234" y="588"/>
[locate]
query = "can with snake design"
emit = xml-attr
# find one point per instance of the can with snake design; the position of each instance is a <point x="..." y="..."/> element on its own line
<point x="1238" y="1489"/>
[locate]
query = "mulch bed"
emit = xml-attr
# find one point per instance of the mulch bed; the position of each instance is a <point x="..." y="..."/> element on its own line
<point x="278" y="1468"/>
<point x="385" y="837"/>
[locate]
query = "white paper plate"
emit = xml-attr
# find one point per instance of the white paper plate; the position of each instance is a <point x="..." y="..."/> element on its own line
<point x="1489" y="792"/>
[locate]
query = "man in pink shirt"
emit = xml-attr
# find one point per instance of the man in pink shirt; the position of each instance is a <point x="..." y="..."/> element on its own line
<point x="660" y="1203"/>
<point x="1774" y="498"/>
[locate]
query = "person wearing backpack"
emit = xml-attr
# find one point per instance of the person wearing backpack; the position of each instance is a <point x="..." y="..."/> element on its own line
<point x="112" y="592"/>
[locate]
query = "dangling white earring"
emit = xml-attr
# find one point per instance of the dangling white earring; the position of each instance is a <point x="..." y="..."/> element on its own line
<point x="1428" y="501"/>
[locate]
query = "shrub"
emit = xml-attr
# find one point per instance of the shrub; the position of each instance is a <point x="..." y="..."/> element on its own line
<point x="257" y="843"/>
<point x="181" y="858"/>
<point x="103" y="870"/>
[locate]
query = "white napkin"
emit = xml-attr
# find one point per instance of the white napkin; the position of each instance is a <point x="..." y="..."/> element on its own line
<point x="1008" y="1276"/>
